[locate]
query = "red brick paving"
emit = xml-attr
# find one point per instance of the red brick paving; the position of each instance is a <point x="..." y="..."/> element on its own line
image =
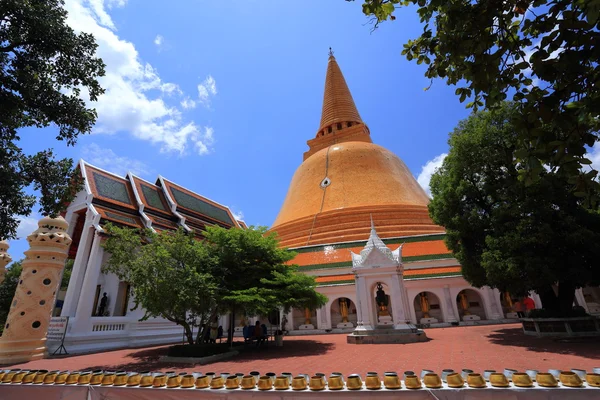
<point x="475" y="347"/>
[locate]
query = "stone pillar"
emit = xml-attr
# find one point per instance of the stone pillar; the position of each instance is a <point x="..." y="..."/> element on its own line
<point x="79" y="269"/>
<point x="495" y="307"/>
<point x="24" y="337"/>
<point x="5" y="259"/>
<point x="451" y="315"/>
<point x="363" y="309"/>
<point x="85" y="305"/>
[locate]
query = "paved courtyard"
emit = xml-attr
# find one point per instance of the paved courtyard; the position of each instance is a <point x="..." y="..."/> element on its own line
<point x="476" y="347"/>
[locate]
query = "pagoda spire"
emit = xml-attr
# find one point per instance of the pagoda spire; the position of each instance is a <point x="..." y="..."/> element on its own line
<point x="338" y="105"/>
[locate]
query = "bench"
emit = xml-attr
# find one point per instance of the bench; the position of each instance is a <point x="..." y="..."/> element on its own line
<point x="249" y="337"/>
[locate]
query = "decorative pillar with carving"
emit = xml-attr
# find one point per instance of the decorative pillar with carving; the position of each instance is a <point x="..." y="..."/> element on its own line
<point x="5" y="259"/>
<point x="24" y="337"/>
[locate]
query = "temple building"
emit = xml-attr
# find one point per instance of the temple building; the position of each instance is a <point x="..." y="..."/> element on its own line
<point x="346" y="181"/>
<point x="128" y="201"/>
<point x="354" y="213"/>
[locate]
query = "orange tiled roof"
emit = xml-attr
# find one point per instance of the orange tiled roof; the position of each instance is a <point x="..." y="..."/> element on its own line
<point x="342" y="255"/>
<point x="407" y="273"/>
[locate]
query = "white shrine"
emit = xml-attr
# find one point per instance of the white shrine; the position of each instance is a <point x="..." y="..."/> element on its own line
<point x="383" y="313"/>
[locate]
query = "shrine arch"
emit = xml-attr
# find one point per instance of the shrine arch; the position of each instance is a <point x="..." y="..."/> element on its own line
<point x="474" y="304"/>
<point x="435" y="306"/>
<point x="336" y="312"/>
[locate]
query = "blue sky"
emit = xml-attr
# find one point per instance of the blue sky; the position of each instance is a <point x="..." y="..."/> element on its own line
<point x="221" y="97"/>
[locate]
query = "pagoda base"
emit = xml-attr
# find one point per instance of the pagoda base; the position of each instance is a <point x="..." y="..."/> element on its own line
<point x="306" y="327"/>
<point x="403" y="333"/>
<point x="471" y="318"/>
<point x="343" y="325"/>
<point x="428" y="321"/>
<point x="512" y="315"/>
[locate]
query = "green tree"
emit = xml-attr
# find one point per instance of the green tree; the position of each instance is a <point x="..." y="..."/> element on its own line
<point x="542" y="53"/>
<point x="66" y="276"/>
<point x="7" y="290"/>
<point x="253" y="274"/>
<point x="505" y="233"/>
<point x="45" y="69"/>
<point x="170" y="274"/>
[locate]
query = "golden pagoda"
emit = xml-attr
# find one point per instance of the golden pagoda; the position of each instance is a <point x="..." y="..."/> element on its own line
<point x="346" y="178"/>
<point x="349" y="193"/>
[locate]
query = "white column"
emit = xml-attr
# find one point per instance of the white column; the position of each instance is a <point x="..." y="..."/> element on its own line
<point x="581" y="299"/>
<point x="290" y="320"/>
<point x="493" y="303"/>
<point x="398" y="301"/>
<point x="319" y="324"/>
<point x="79" y="268"/>
<point x="85" y="306"/>
<point x="451" y="315"/>
<point x="362" y="295"/>
<point x="71" y="218"/>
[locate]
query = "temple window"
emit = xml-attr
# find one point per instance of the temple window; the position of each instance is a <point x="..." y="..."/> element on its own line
<point x="349" y="124"/>
<point x="339" y="126"/>
<point x="329" y="130"/>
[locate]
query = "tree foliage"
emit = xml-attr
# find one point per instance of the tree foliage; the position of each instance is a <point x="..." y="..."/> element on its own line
<point x="542" y="53"/>
<point x="179" y="278"/>
<point x="505" y="233"/>
<point x="254" y="277"/>
<point x="7" y="290"/>
<point x="170" y="274"/>
<point x="45" y="70"/>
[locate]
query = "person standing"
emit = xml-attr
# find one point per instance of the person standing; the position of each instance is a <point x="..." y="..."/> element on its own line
<point x="103" y="303"/>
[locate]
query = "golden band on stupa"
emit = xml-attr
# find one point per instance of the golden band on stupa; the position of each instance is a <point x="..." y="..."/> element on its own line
<point x="345" y="179"/>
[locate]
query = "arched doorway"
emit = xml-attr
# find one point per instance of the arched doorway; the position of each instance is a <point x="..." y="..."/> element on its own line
<point x="470" y="305"/>
<point x="343" y="313"/>
<point x="300" y="320"/>
<point x="427" y="305"/>
<point x="382" y="304"/>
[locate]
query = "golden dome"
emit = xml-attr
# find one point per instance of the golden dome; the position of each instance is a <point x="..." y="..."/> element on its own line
<point x="345" y="179"/>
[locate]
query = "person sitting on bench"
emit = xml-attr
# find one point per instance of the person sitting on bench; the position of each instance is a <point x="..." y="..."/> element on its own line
<point x="259" y="334"/>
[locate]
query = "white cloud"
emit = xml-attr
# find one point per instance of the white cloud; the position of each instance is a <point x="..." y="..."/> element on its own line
<point x="594" y="156"/>
<point x="204" y="140"/>
<point x="238" y="215"/>
<point x="207" y="89"/>
<point x="188" y="103"/>
<point x="429" y="169"/>
<point x="158" y="41"/>
<point x="135" y="97"/>
<point x="107" y="159"/>
<point x="27" y="225"/>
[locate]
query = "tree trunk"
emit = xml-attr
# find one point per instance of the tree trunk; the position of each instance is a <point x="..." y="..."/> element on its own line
<point x="231" y="327"/>
<point x="201" y="330"/>
<point x="566" y="296"/>
<point x="188" y="333"/>
<point x="549" y="299"/>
